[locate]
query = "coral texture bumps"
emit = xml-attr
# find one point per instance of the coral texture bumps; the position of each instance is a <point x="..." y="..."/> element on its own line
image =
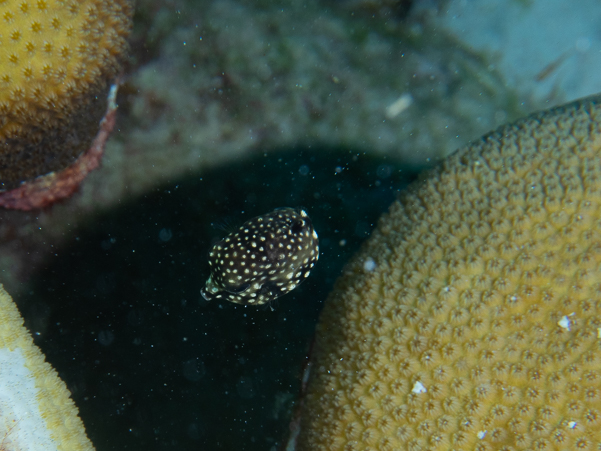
<point x="471" y="319"/>
<point x="36" y="411"/>
<point x="57" y="60"/>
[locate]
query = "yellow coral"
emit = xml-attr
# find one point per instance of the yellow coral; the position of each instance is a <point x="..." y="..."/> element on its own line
<point x="57" y="58"/>
<point x="36" y="411"/>
<point x="471" y="319"/>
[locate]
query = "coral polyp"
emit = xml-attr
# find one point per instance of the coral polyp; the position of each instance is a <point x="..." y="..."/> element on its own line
<point x="477" y="322"/>
<point x="57" y="62"/>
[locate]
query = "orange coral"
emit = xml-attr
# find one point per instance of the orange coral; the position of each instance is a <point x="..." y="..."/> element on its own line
<point x="57" y="60"/>
<point x="471" y="319"/>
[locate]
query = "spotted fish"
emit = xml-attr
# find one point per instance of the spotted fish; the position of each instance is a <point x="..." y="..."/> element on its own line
<point x="267" y="257"/>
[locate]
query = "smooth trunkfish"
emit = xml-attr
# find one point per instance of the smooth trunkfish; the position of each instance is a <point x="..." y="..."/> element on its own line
<point x="267" y="257"/>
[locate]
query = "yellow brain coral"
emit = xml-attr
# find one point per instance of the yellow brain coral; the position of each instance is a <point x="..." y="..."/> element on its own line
<point x="57" y="58"/>
<point x="471" y="319"/>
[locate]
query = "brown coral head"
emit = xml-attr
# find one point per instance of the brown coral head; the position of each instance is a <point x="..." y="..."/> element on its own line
<point x="57" y="62"/>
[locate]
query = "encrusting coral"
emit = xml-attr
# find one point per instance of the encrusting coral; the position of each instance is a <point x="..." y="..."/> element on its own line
<point x="36" y="411"/>
<point x="57" y="61"/>
<point x="471" y="319"/>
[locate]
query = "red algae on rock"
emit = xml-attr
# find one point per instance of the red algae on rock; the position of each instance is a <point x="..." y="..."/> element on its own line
<point x="46" y="189"/>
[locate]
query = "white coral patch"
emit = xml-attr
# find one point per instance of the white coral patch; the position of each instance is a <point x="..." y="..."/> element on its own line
<point x="418" y="387"/>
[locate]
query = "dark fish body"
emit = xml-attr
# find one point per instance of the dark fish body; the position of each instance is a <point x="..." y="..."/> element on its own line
<point x="267" y="257"/>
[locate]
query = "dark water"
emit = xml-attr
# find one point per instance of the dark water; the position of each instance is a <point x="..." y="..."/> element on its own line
<point x="153" y="366"/>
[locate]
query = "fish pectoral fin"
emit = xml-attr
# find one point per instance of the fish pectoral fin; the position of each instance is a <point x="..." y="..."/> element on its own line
<point x="268" y="287"/>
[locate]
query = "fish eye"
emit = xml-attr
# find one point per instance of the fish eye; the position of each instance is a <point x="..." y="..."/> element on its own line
<point x="297" y="227"/>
